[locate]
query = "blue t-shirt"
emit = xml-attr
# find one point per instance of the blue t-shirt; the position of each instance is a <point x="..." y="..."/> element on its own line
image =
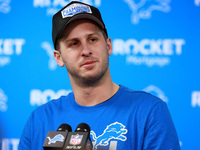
<point x="130" y="120"/>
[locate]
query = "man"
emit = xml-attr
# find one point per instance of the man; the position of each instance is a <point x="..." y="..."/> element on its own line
<point x="119" y="118"/>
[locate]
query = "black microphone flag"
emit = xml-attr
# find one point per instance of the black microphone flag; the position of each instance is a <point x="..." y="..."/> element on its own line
<point x="80" y="139"/>
<point x="55" y="140"/>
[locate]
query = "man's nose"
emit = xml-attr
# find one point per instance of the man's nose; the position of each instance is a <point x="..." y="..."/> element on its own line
<point x="86" y="51"/>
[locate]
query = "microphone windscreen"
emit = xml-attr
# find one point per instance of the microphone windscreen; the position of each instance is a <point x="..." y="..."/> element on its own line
<point x="83" y="127"/>
<point x="64" y="127"/>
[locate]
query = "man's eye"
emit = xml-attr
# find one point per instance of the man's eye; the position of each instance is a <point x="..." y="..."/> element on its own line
<point x="73" y="44"/>
<point x="93" y="39"/>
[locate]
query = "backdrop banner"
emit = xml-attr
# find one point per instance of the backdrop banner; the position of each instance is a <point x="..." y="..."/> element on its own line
<point x="156" y="48"/>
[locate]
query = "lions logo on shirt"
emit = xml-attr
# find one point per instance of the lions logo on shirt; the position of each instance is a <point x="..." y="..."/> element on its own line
<point x="113" y="131"/>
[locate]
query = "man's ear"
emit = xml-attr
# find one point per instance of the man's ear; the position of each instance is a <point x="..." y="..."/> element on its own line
<point x="58" y="58"/>
<point x="109" y="46"/>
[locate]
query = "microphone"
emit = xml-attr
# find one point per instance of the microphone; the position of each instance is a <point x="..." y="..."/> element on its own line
<point x="80" y="139"/>
<point x="55" y="140"/>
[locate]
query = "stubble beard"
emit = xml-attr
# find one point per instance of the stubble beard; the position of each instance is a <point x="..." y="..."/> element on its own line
<point x="91" y="80"/>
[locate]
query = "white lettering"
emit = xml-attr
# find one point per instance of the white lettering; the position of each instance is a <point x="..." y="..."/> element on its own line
<point x="178" y="43"/>
<point x="18" y="44"/>
<point x="197" y="2"/>
<point x="155" y="46"/>
<point x="8" y="47"/>
<point x="167" y="47"/>
<point x="5" y="6"/>
<point x="5" y="144"/>
<point x="130" y="45"/>
<point x="53" y="6"/>
<point x="47" y="95"/>
<point x="51" y="11"/>
<point x="73" y="147"/>
<point x="149" y="61"/>
<point x="88" y="2"/>
<point x="8" y="144"/>
<point x="146" y="47"/>
<point x="14" y="143"/>
<point x="41" y="3"/>
<point x="60" y="2"/>
<point x="118" y="47"/>
<point x="11" y="46"/>
<point x="4" y="61"/>
<point x="92" y="2"/>
<point x="3" y="101"/>
<point x="97" y="3"/>
<point x="35" y="98"/>
<point x="142" y="47"/>
<point x="196" y="98"/>
<point x="38" y="97"/>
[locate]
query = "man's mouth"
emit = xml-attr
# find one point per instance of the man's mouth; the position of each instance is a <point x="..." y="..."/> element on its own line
<point x="88" y="63"/>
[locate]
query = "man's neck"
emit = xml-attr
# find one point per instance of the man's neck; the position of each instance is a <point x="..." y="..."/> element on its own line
<point x="93" y="95"/>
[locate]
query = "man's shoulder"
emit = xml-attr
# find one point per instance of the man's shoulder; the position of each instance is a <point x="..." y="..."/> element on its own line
<point x="139" y="96"/>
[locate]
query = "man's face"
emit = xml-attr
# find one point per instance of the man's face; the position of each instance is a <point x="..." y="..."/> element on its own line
<point x="84" y="51"/>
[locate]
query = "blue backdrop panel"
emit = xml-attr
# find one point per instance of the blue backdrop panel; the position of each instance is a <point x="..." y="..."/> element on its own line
<point x="156" y="48"/>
